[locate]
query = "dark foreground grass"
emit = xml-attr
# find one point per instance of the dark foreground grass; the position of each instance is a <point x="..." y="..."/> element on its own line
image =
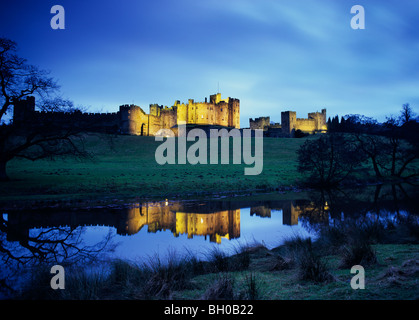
<point x="298" y="269"/>
<point x="394" y="276"/>
<point x="125" y="166"/>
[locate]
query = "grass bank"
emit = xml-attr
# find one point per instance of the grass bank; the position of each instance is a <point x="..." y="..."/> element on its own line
<point x="127" y="168"/>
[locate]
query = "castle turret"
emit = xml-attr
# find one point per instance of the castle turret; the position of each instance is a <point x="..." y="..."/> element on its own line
<point x="215" y="98"/>
<point x="155" y="109"/>
<point x="288" y="122"/>
<point x="23" y="110"/>
<point x="182" y="114"/>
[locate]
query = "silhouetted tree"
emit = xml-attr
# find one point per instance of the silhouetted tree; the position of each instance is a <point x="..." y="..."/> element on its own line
<point x="406" y="114"/>
<point x="32" y="138"/>
<point x="299" y="134"/>
<point x="329" y="159"/>
<point x="333" y="124"/>
<point x="391" y="147"/>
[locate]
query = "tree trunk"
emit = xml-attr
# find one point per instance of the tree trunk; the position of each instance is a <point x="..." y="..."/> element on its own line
<point x="3" y="174"/>
<point x="375" y="165"/>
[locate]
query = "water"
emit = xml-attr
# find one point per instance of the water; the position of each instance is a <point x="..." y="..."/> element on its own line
<point x="142" y="230"/>
<point x="138" y="231"/>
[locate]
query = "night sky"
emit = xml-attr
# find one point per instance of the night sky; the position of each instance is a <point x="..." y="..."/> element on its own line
<point x="272" y="55"/>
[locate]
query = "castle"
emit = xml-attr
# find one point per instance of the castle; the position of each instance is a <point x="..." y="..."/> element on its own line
<point x="216" y="112"/>
<point x="316" y="122"/>
<point x="132" y="119"/>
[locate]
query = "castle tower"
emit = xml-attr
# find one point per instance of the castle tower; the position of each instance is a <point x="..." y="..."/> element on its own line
<point x="155" y="109"/>
<point x="23" y="109"/>
<point x="182" y="114"/>
<point x="288" y="122"/>
<point x="215" y="98"/>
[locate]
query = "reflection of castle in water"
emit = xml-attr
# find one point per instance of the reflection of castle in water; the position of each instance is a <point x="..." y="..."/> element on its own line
<point x="216" y="219"/>
<point x="213" y="219"/>
<point x="216" y="225"/>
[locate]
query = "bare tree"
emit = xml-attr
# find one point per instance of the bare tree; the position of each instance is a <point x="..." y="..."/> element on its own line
<point x="392" y="146"/>
<point x="406" y="114"/>
<point x="32" y="138"/>
<point x="328" y="159"/>
<point x="44" y="246"/>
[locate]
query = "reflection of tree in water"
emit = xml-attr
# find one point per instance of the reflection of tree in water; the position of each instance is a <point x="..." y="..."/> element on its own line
<point x="44" y="247"/>
<point x="328" y="207"/>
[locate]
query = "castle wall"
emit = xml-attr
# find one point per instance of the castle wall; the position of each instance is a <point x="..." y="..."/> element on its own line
<point x="259" y="123"/>
<point x="132" y="119"/>
<point x="202" y="113"/>
<point x="221" y="115"/>
<point x="182" y="113"/>
<point x="23" y="109"/>
<point x="154" y="125"/>
<point x="320" y="120"/>
<point x="288" y="122"/>
<point x="306" y="125"/>
<point x="168" y="117"/>
<point x="235" y="116"/>
<point x="315" y="121"/>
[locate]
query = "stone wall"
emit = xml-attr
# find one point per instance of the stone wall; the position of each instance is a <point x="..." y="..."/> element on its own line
<point x="133" y="120"/>
<point x="315" y="122"/>
<point x="261" y="123"/>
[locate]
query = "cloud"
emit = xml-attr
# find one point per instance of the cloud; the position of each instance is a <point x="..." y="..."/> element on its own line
<point x="272" y="55"/>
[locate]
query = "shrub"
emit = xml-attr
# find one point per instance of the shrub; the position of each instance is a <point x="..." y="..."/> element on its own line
<point x="218" y="259"/>
<point x="222" y="289"/>
<point x="357" y="253"/>
<point x="163" y="278"/>
<point x="312" y="268"/>
<point x="295" y="245"/>
<point x="241" y="258"/>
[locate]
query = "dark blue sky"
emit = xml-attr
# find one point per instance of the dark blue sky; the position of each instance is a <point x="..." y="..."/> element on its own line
<point x="273" y="55"/>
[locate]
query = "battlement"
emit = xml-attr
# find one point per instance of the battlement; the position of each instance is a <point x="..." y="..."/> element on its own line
<point x="222" y="112"/>
<point x="132" y="119"/>
<point x="315" y="122"/>
<point x="260" y="123"/>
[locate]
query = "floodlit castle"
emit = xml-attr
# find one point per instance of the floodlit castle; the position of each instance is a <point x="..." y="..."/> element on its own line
<point x="132" y="119"/>
<point x="315" y="122"/>
<point x="216" y="112"/>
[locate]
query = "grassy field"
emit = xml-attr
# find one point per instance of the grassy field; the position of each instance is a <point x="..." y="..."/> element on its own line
<point x="127" y="168"/>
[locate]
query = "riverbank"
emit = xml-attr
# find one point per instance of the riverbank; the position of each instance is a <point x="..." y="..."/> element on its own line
<point x="253" y="274"/>
<point x="124" y="169"/>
